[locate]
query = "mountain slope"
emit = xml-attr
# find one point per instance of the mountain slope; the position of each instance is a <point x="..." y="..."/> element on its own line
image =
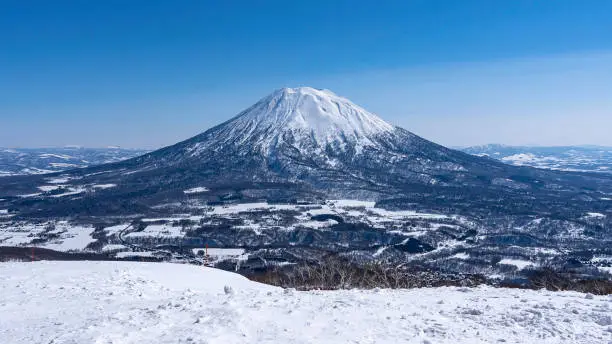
<point x="306" y="118"/>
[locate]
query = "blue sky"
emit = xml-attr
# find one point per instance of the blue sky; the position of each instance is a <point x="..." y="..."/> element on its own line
<point x="150" y="73"/>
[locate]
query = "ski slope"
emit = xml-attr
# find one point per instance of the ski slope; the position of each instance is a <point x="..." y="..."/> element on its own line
<point x="121" y="302"/>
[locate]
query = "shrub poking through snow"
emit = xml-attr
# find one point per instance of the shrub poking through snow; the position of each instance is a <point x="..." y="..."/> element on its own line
<point x="336" y="272"/>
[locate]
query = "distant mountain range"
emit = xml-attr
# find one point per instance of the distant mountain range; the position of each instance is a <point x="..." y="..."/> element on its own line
<point x="566" y="158"/>
<point x="24" y="161"/>
<point x="305" y="173"/>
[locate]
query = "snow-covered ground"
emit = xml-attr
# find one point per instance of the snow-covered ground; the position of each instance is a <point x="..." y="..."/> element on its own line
<point x="165" y="230"/>
<point x="55" y="235"/>
<point x="520" y="264"/>
<point x="120" y="302"/>
<point x="257" y="217"/>
<point x="103" y="186"/>
<point x="196" y="190"/>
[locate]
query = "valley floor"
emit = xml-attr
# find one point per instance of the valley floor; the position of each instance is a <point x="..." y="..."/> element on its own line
<point x="121" y="302"/>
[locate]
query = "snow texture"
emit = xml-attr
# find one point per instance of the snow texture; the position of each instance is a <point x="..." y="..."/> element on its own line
<point x="596" y="215"/>
<point x="162" y="230"/>
<point x="47" y="188"/>
<point x="121" y="302"/>
<point x="134" y="254"/>
<point x="195" y="190"/>
<point x="71" y="191"/>
<point x="520" y="264"/>
<point x="103" y="186"/>
<point x="65" y="236"/>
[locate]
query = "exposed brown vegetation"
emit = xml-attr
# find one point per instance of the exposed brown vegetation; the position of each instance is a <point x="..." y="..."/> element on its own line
<point x="339" y="273"/>
<point x="27" y="254"/>
<point x="555" y="281"/>
<point x="336" y="272"/>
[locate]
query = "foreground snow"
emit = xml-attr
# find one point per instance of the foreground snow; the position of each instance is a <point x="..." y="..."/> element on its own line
<point x="120" y="302"/>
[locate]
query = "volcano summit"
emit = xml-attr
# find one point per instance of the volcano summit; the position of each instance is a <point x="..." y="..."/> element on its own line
<point x="306" y="118"/>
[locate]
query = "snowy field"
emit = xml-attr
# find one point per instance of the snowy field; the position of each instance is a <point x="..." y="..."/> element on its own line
<point x="57" y="235"/>
<point x="121" y="302"/>
<point x="256" y="217"/>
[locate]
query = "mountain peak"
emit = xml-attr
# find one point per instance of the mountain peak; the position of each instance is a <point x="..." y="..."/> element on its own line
<point x="307" y="119"/>
<point x="304" y="90"/>
<point x="319" y="114"/>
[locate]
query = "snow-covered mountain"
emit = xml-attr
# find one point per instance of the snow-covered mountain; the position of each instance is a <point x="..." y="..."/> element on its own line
<point x="305" y="118"/>
<point x="313" y="139"/>
<point x="303" y="173"/>
<point x="565" y="158"/>
<point x="25" y="161"/>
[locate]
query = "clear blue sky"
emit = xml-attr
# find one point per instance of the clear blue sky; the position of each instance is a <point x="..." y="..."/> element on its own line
<point x="150" y="73"/>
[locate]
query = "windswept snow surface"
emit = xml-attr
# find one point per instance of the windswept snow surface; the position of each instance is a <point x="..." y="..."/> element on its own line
<point x="121" y="302"/>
